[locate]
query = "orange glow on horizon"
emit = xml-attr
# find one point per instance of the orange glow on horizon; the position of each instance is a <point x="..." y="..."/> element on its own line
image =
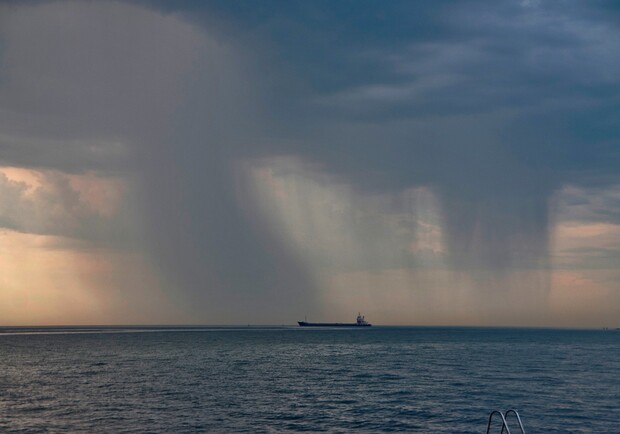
<point x="43" y="281"/>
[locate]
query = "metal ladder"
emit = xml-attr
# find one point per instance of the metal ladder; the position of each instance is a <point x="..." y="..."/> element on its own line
<point x="505" y="428"/>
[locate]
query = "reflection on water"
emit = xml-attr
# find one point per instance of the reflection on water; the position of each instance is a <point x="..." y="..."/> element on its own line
<point x="289" y="379"/>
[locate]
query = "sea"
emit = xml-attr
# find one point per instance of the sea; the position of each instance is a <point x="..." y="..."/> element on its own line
<point x="292" y="379"/>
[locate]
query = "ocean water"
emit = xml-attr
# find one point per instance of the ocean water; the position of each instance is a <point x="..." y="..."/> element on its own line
<point x="287" y="379"/>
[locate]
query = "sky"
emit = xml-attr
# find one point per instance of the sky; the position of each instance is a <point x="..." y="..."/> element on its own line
<point x="424" y="163"/>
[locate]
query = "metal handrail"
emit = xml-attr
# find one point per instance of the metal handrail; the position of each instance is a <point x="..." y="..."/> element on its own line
<point x="513" y="411"/>
<point x="504" y="424"/>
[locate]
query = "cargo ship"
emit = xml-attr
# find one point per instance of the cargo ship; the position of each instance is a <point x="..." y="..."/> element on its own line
<point x="361" y="322"/>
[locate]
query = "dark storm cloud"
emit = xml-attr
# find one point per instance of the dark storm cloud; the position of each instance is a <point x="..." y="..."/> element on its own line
<point x="493" y="107"/>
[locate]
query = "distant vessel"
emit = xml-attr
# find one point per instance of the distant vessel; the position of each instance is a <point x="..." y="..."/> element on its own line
<point x="361" y="322"/>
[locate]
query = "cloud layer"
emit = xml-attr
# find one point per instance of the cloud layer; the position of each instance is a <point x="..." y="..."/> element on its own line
<point x="266" y="163"/>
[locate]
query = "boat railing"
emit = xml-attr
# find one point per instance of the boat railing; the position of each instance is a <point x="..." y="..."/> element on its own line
<point x="504" y="416"/>
<point x="513" y="411"/>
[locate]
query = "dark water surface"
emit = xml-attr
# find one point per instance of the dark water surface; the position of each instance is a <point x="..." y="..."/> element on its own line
<point x="290" y="379"/>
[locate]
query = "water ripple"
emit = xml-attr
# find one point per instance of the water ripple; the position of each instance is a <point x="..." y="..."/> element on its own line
<point x="280" y="380"/>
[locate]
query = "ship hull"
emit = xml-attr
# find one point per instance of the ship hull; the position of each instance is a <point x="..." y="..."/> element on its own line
<point x="330" y="324"/>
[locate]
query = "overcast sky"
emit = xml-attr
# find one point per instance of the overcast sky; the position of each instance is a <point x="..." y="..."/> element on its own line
<point x="244" y="162"/>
